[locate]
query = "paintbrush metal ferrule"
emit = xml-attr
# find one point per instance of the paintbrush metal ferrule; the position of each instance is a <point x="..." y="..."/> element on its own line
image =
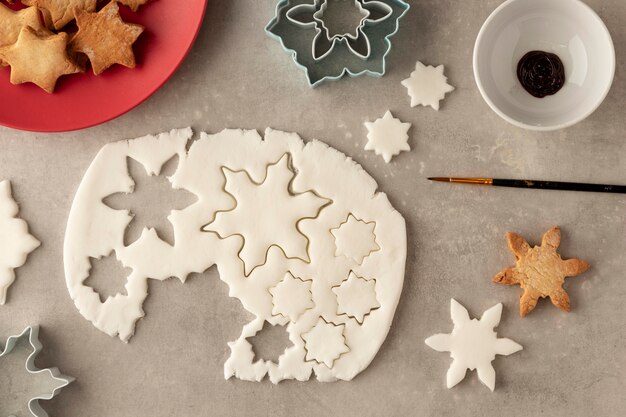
<point x="474" y="181"/>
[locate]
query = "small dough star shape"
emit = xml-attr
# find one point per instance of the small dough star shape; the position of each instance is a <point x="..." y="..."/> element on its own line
<point x="427" y="85"/>
<point x="387" y="136"/>
<point x="291" y="297"/>
<point x="38" y="58"/>
<point x="325" y="343"/>
<point x="473" y="344"/>
<point x="105" y="38"/>
<point x="266" y="214"/>
<point x="356" y="297"/>
<point x="58" y="13"/>
<point x="14" y="21"/>
<point x="355" y="239"/>
<point x="15" y="241"/>
<point x="540" y="271"/>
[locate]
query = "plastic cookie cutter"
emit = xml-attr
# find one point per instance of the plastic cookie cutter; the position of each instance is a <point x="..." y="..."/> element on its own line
<point x="56" y="379"/>
<point x="326" y="52"/>
<point x="312" y="15"/>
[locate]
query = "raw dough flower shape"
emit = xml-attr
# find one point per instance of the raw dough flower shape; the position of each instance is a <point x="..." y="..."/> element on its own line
<point x="327" y="55"/>
<point x="291" y="297"/>
<point x="473" y="344"/>
<point x="355" y="239"/>
<point x="357" y="41"/>
<point x="55" y="382"/>
<point x="356" y="297"/>
<point x="427" y="85"/>
<point x="387" y="136"/>
<point x="304" y="172"/>
<point x="259" y="228"/>
<point x="540" y="271"/>
<point x="325" y="343"/>
<point x="15" y="241"/>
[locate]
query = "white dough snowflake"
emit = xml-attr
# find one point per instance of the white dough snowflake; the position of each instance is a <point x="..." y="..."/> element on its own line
<point x="387" y="136"/>
<point x="325" y="343"/>
<point x="15" y="241"/>
<point x="473" y="344"/>
<point x="355" y="239"/>
<point x="427" y="85"/>
<point x="291" y="297"/>
<point x="262" y="229"/>
<point x="356" y="297"/>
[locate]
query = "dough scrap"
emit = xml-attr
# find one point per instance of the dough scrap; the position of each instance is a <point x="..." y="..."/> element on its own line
<point x="95" y="230"/>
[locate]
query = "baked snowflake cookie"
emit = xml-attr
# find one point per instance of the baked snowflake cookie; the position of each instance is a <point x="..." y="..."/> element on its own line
<point x="297" y="231"/>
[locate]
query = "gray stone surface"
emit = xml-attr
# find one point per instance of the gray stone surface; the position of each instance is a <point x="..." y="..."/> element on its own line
<point x="572" y="364"/>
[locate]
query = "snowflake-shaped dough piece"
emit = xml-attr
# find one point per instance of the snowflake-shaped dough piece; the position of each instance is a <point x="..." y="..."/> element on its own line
<point x="291" y="297"/>
<point x="387" y="136"/>
<point x="266" y="214"/>
<point x="325" y="343"/>
<point x="355" y="239"/>
<point x="427" y="85"/>
<point x="356" y="297"/>
<point x="54" y="380"/>
<point x="473" y="344"/>
<point x="15" y="241"/>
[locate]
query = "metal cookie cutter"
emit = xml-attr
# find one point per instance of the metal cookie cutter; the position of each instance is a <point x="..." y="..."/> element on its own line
<point x="302" y="29"/>
<point x="60" y="381"/>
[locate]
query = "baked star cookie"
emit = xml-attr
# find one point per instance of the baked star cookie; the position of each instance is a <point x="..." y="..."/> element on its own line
<point x="38" y="58"/>
<point x="134" y="4"/>
<point x="105" y="38"/>
<point x="540" y="271"/>
<point x="58" y="13"/>
<point x="14" y="21"/>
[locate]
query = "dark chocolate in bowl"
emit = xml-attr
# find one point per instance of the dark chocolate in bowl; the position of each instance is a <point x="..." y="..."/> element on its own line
<point x="541" y="73"/>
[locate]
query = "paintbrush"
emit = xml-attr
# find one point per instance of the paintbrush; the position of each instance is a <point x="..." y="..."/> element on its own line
<point x="542" y="185"/>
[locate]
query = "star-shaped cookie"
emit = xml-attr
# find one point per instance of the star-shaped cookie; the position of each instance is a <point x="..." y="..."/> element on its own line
<point x="105" y="38"/>
<point x="38" y="58"/>
<point x="387" y="136"/>
<point x="14" y="21"/>
<point x="133" y="4"/>
<point x="427" y="85"/>
<point x="58" y="13"/>
<point x="540" y="271"/>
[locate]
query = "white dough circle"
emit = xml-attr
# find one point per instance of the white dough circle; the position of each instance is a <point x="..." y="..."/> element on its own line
<point x="277" y="216"/>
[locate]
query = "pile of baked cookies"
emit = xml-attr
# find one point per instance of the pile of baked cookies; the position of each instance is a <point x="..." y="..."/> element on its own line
<point x="51" y="38"/>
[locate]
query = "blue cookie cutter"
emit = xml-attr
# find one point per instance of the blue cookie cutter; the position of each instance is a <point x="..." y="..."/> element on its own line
<point x="341" y="54"/>
<point x="32" y="332"/>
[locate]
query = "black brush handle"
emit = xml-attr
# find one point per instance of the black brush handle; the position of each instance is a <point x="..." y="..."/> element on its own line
<point x="565" y="186"/>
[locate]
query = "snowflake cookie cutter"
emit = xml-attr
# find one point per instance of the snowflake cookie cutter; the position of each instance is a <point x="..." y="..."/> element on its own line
<point x="354" y="53"/>
<point x="32" y="333"/>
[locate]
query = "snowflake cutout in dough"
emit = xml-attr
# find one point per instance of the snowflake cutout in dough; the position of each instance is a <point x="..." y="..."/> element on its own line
<point x="325" y="343"/>
<point x="355" y="239"/>
<point x="291" y="297"/>
<point x="427" y="85"/>
<point x="356" y="297"/>
<point x="262" y="229"/>
<point x="387" y="136"/>
<point x="15" y="241"/>
<point x="473" y="344"/>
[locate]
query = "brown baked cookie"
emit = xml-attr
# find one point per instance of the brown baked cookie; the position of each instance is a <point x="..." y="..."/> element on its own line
<point x="540" y="271"/>
<point x="38" y="58"/>
<point x="105" y="38"/>
<point x="133" y="4"/>
<point x="58" y="13"/>
<point x="11" y="22"/>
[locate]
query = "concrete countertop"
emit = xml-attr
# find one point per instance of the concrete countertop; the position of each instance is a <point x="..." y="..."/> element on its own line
<point x="235" y="76"/>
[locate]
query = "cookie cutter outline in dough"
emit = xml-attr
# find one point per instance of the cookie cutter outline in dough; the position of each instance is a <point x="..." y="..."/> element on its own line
<point x="321" y="320"/>
<point x="356" y="220"/>
<point x="347" y="314"/>
<point x="33" y="339"/>
<point x="374" y="70"/>
<point x="319" y="9"/>
<point x="291" y="194"/>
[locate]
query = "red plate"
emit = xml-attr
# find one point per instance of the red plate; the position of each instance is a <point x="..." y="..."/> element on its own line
<point x="84" y="100"/>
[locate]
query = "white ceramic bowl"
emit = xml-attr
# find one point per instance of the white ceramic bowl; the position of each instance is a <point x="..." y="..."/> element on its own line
<point x="567" y="28"/>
